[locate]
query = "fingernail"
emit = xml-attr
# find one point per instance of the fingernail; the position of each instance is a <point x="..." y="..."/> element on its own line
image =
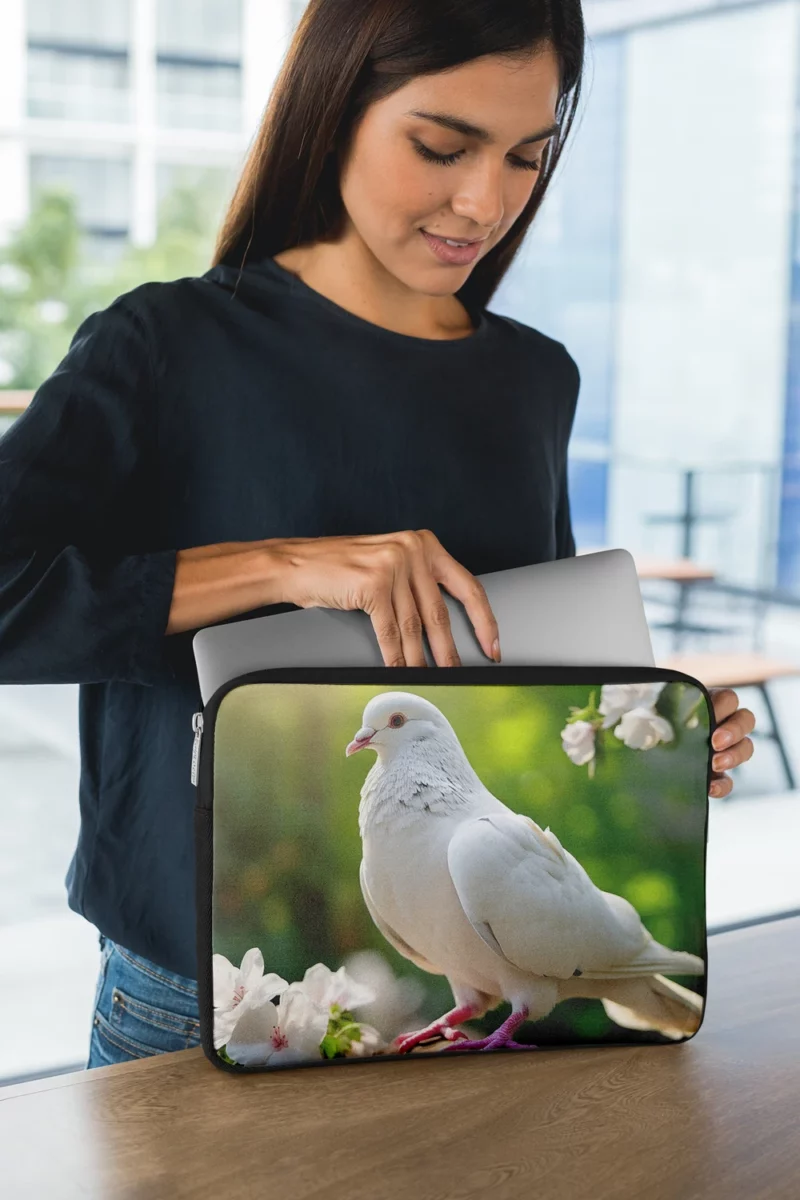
<point x="722" y="761"/>
<point x="723" y="739"/>
<point x="496" y="650"/>
<point x="714" y="789"/>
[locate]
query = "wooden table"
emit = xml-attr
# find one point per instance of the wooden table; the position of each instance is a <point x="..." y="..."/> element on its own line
<point x="741" y="669"/>
<point x="733" y="668"/>
<point x="715" y="1118"/>
<point x="648" y="566"/>
<point x="677" y="570"/>
<point x="14" y="403"/>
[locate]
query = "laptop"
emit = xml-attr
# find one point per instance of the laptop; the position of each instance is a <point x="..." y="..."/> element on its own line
<point x="586" y="610"/>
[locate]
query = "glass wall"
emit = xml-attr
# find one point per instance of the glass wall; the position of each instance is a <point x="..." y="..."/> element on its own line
<point x="788" y="542"/>
<point x="565" y="282"/>
<point x="662" y="260"/>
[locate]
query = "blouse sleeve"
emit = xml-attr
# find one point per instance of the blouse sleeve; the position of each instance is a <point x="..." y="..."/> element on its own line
<point x="82" y="598"/>
<point x="565" y="539"/>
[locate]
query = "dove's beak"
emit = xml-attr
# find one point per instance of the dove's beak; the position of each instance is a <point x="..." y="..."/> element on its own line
<point x="361" y="740"/>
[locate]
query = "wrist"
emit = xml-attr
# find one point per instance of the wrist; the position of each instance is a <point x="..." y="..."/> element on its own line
<point x="277" y="570"/>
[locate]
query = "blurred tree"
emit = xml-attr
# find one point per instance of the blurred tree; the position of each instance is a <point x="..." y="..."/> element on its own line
<point x="40" y="293"/>
<point x="50" y="281"/>
<point x="186" y="230"/>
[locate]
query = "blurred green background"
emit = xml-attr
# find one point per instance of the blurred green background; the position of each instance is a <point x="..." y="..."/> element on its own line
<point x="52" y="276"/>
<point x="287" y="847"/>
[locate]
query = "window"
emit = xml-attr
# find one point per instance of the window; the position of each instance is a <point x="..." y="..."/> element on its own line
<point x="101" y="186"/>
<point x="78" y="63"/>
<point x="199" y="64"/>
<point x="194" y="95"/>
<point x="88" y="22"/>
<point x="76" y="87"/>
<point x="200" y="28"/>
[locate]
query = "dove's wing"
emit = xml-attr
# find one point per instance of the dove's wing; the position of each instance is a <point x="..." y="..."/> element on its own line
<point x="399" y="944"/>
<point x="533" y="903"/>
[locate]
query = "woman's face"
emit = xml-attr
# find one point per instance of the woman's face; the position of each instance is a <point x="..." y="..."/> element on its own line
<point x="393" y="188"/>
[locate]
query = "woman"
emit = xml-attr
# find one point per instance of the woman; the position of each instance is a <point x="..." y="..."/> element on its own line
<point x="328" y="417"/>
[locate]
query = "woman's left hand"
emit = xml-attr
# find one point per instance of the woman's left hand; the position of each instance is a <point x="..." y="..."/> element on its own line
<point x="730" y="739"/>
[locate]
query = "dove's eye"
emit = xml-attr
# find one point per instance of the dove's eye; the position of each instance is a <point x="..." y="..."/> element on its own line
<point x="396" y="720"/>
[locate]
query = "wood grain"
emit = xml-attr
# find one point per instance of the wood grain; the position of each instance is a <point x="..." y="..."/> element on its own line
<point x="714" y="1118"/>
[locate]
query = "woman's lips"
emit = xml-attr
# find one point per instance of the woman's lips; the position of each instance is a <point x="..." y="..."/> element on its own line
<point x="453" y="255"/>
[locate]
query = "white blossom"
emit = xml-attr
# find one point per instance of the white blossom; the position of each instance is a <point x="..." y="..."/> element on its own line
<point x="618" y="698"/>
<point x="236" y="990"/>
<point x="327" y="988"/>
<point x="288" y="1032"/>
<point x="577" y="739"/>
<point x="642" y="728"/>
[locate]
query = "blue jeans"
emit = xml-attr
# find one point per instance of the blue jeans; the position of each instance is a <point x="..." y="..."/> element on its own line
<point x="140" y="1009"/>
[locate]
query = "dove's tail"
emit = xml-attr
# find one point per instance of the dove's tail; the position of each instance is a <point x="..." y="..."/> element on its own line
<point x="653" y="1003"/>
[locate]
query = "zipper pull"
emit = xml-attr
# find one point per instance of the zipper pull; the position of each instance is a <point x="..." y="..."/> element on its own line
<point x="197" y="726"/>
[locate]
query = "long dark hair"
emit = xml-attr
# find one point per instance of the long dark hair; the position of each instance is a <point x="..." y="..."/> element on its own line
<point x="345" y="55"/>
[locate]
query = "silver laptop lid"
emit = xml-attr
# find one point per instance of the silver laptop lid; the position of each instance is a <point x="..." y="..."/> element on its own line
<point x="585" y="610"/>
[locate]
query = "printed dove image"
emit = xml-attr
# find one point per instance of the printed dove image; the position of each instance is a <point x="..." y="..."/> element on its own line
<point x="466" y="888"/>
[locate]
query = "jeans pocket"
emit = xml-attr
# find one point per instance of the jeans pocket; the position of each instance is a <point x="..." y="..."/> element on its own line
<point x="105" y="951"/>
<point x="144" y="1009"/>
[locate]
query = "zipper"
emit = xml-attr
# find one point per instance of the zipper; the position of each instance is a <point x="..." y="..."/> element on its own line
<point x="530" y="673"/>
<point x="197" y="726"/>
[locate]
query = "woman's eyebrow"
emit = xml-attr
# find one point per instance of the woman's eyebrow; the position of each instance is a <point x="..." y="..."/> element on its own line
<point x="448" y="121"/>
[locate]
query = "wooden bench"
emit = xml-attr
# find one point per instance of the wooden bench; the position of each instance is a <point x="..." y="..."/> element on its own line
<point x="740" y="669"/>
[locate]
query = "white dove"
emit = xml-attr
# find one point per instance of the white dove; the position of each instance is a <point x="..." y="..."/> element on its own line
<point x="466" y="888"/>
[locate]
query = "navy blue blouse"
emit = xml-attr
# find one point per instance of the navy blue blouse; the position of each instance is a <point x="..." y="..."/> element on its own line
<point x="235" y="407"/>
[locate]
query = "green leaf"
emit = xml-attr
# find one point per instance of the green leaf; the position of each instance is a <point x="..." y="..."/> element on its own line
<point x="329" y="1046"/>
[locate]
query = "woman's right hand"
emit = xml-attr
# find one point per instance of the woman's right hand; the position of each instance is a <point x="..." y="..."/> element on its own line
<point x="394" y="578"/>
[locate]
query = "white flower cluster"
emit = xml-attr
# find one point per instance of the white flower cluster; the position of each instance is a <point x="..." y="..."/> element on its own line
<point x="256" y="1031"/>
<point x="633" y="706"/>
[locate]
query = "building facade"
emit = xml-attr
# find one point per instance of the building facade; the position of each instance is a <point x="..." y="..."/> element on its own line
<point x="121" y="99"/>
<point x="666" y="256"/>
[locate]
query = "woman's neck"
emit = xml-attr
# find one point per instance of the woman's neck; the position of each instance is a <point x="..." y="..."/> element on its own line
<point x="353" y="279"/>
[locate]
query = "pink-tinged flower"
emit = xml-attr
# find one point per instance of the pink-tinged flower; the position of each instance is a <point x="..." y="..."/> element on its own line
<point x="398" y="998"/>
<point x="642" y="728"/>
<point x="327" y="988"/>
<point x="286" y="1033"/>
<point x="618" y="698"/>
<point x="237" y="990"/>
<point x="577" y="739"/>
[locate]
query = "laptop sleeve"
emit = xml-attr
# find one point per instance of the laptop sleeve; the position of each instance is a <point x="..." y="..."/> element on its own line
<point x="401" y="861"/>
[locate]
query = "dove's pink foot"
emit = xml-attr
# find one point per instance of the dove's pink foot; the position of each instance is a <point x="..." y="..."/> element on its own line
<point x="500" y="1039"/>
<point x="443" y="1028"/>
